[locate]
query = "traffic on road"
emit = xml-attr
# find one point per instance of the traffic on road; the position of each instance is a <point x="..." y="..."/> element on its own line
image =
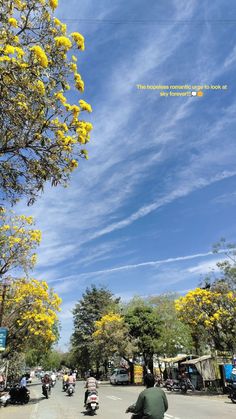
<point x="113" y="403"/>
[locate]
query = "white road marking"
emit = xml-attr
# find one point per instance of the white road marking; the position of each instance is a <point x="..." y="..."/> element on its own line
<point x="170" y="416"/>
<point x="113" y="397"/>
<point x="35" y="410"/>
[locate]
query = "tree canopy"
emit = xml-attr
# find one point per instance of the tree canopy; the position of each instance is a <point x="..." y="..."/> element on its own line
<point x="95" y="303"/>
<point x="30" y="314"/>
<point x="18" y="240"/>
<point x="144" y="326"/>
<point x="175" y="335"/>
<point x="43" y="134"/>
<point x="211" y="313"/>
<point x="111" y="338"/>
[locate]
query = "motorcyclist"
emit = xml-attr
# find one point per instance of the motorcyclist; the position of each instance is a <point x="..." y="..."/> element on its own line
<point x="71" y="379"/>
<point x="64" y="380"/>
<point x="23" y="381"/>
<point x="91" y="385"/>
<point x="46" y="380"/>
<point x="152" y="402"/>
<point x="53" y="378"/>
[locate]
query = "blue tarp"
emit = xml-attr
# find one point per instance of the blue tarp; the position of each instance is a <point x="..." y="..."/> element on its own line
<point x="228" y="369"/>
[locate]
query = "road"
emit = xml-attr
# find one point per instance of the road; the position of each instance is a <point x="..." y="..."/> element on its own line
<point x="113" y="402"/>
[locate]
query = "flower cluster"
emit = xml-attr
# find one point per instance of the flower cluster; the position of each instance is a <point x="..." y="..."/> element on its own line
<point x="18" y="241"/>
<point x="31" y="309"/>
<point x="106" y="321"/>
<point x="38" y="67"/>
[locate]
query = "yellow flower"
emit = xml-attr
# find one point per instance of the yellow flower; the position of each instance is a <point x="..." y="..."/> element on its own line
<point x="88" y="126"/>
<point x="41" y="88"/>
<point x="79" y="84"/>
<point x="57" y="22"/>
<point x="63" y="41"/>
<point x="20" y="52"/>
<point x="73" y="163"/>
<point x="60" y="96"/>
<point x="9" y="49"/>
<point x="34" y="259"/>
<point x="85" y="106"/>
<point x="16" y="39"/>
<point x="73" y="67"/>
<point x="5" y="227"/>
<point x="79" y="39"/>
<point x="13" y="22"/>
<point x="53" y="4"/>
<point x="40" y="55"/>
<point x="35" y="235"/>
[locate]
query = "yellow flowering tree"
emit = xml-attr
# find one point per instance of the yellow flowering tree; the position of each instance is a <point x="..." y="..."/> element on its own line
<point x="30" y="315"/>
<point x="211" y="314"/>
<point x="18" y="240"/>
<point x="111" y="338"/>
<point x="43" y="134"/>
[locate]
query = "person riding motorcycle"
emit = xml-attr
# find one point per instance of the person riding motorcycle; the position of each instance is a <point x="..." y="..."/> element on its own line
<point x="71" y="379"/>
<point x="53" y="378"/>
<point x="64" y="380"/>
<point x="46" y="380"/>
<point x="91" y="385"/>
<point x="152" y="402"/>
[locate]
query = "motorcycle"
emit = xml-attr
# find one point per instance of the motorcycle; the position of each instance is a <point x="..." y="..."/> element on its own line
<point x="183" y="385"/>
<point x="92" y="403"/>
<point x="70" y="389"/>
<point x="53" y="383"/>
<point x="46" y="390"/>
<point x="18" y="395"/>
<point x="64" y="386"/>
<point x="4" y="398"/>
<point x="131" y="410"/>
<point x="232" y="392"/>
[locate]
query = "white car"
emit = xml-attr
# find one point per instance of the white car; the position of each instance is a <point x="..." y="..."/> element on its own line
<point x="119" y="376"/>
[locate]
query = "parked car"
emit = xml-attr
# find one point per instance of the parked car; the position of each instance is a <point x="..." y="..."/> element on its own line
<point x="119" y="376"/>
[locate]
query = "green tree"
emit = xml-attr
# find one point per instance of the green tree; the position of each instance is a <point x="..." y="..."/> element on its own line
<point x="175" y="335"/>
<point x="52" y="360"/>
<point x="42" y="134"/>
<point x="95" y="303"/>
<point x="144" y="325"/>
<point x="228" y="266"/>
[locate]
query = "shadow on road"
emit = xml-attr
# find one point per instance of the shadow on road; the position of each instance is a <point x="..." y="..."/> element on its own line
<point x="35" y="400"/>
<point x="34" y="384"/>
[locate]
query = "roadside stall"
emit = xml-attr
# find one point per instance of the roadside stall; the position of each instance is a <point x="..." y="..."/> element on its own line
<point x="170" y="367"/>
<point x="203" y="371"/>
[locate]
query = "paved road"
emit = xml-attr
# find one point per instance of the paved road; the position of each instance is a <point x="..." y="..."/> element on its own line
<point x="113" y="402"/>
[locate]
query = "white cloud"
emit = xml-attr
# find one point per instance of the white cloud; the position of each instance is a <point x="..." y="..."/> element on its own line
<point x="230" y="59"/>
<point x="205" y="267"/>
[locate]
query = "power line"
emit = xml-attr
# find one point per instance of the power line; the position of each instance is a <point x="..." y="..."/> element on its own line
<point x="150" y="21"/>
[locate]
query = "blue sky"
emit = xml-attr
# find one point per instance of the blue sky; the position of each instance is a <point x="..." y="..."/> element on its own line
<point x="141" y="215"/>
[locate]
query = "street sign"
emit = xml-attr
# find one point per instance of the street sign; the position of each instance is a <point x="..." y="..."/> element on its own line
<point x="3" y="338"/>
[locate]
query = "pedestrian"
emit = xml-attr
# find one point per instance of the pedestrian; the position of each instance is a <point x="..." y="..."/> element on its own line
<point x="23" y="381"/>
<point x="152" y="402"/>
